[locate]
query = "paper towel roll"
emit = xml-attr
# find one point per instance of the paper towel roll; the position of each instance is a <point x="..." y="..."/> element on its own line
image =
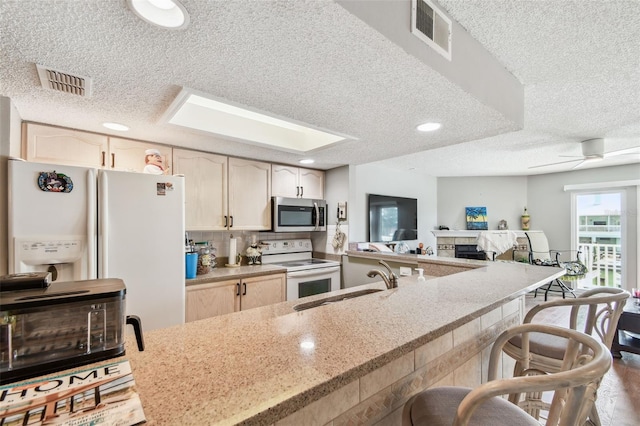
<point x="233" y="251"/>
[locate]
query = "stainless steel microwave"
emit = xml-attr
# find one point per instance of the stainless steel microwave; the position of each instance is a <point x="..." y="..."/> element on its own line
<point x="298" y="215"/>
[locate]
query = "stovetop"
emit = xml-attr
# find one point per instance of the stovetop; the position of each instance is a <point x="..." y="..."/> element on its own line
<point x="295" y="255"/>
<point x="308" y="263"/>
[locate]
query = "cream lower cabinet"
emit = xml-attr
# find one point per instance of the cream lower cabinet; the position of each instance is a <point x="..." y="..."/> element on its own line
<point x="296" y="182"/>
<point x="224" y="297"/>
<point x="58" y="145"/>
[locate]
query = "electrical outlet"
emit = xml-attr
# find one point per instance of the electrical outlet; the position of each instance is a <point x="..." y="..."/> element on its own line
<point x="405" y="272"/>
<point x="342" y="210"/>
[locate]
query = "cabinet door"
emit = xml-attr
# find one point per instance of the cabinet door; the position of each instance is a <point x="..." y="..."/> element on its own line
<point x="249" y="194"/>
<point x="129" y="155"/>
<point x="262" y="291"/>
<point x="210" y="300"/>
<point x="312" y="184"/>
<point x="46" y="144"/>
<point x="284" y="181"/>
<point x="205" y="188"/>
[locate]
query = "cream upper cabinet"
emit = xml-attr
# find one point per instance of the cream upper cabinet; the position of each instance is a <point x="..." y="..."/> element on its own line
<point x="48" y="144"/>
<point x="129" y="155"/>
<point x="295" y="182"/>
<point x="205" y="189"/>
<point x="56" y="145"/>
<point x="249" y="195"/>
<point x="224" y="297"/>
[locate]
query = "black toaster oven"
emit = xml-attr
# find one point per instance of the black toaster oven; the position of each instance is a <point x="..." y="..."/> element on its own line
<point x="61" y="326"/>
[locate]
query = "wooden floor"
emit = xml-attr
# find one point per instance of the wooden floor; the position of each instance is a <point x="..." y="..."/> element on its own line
<point x="619" y="393"/>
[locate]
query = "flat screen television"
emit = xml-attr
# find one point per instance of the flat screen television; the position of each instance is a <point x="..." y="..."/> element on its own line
<point x="392" y="218"/>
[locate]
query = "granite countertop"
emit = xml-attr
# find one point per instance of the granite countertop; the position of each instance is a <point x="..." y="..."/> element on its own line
<point x="227" y="273"/>
<point x="250" y="366"/>
<point x="419" y="258"/>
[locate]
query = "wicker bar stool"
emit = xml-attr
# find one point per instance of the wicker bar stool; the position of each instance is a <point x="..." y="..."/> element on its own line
<point x="594" y="312"/>
<point x="585" y="361"/>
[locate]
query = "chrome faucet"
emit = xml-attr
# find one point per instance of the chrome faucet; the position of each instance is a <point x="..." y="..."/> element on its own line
<point x="390" y="279"/>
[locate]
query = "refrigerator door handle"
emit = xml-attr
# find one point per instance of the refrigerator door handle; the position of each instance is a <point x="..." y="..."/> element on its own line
<point x="92" y="214"/>
<point x="103" y="232"/>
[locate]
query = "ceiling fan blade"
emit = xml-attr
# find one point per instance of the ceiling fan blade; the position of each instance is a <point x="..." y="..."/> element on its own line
<point x="588" y="161"/>
<point x="553" y="164"/>
<point x="628" y="151"/>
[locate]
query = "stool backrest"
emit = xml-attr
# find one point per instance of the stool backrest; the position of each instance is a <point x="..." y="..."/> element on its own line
<point x="585" y="362"/>
<point x="603" y="307"/>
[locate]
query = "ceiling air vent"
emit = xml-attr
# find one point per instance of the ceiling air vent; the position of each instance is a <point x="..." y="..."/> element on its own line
<point x="64" y="82"/>
<point x="430" y="25"/>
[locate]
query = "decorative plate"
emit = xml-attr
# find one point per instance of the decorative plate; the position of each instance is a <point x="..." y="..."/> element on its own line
<point x="55" y="182"/>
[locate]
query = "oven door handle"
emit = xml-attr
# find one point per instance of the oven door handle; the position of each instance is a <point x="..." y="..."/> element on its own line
<point x="313" y="272"/>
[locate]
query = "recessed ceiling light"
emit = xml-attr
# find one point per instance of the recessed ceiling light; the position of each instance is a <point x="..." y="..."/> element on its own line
<point x="307" y="161"/>
<point x="116" y="126"/>
<point x="164" y="13"/>
<point x="202" y="112"/>
<point x="429" y="127"/>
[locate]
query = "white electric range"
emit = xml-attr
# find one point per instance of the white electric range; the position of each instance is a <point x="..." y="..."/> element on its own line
<point x="306" y="275"/>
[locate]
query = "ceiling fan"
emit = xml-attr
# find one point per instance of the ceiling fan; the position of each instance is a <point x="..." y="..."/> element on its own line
<point x="593" y="151"/>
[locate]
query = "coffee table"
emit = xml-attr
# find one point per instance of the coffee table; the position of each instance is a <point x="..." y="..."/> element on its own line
<point x="627" y="337"/>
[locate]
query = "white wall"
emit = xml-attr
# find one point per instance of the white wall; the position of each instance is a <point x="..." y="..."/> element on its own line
<point x="336" y="190"/>
<point x="375" y="179"/>
<point x="550" y="207"/>
<point x="504" y="197"/>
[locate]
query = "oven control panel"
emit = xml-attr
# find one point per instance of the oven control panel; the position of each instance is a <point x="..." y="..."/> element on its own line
<point x="286" y="246"/>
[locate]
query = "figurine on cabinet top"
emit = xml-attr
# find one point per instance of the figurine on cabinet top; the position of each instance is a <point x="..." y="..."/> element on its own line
<point x="154" y="163"/>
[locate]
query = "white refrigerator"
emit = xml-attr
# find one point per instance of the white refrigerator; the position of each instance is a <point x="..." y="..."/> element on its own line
<point x="82" y="223"/>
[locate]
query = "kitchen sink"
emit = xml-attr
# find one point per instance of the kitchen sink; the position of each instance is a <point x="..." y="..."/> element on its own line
<point x="334" y="299"/>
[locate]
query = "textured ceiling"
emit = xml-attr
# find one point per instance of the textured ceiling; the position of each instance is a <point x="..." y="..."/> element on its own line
<point x="315" y="62"/>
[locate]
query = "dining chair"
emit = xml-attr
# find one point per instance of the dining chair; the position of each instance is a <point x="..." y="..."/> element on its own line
<point x="595" y="312"/>
<point x="574" y="386"/>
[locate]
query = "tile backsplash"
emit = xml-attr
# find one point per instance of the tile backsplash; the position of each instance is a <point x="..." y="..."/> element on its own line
<point x="220" y="239"/>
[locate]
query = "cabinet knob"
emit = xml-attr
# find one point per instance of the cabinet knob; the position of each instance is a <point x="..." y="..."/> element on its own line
<point x="231" y="225"/>
<point x="301" y="191"/>
<point x="113" y="160"/>
<point x="103" y="158"/>
<point x="226" y="221"/>
<point x="237" y="289"/>
<point x="244" y="289"/>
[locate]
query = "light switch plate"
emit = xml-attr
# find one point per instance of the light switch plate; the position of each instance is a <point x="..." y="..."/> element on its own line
<point x="404" y="271"/>
<point x="342" y="210"/>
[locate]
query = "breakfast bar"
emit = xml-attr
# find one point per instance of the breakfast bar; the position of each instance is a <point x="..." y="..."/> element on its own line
<point x="354" y="360"/>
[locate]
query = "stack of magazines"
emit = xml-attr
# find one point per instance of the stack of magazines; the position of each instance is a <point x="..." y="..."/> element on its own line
<point x="100" y="395"/>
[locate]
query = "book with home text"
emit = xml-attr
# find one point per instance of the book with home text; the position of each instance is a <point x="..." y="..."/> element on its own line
<point x="100" y="395"/>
